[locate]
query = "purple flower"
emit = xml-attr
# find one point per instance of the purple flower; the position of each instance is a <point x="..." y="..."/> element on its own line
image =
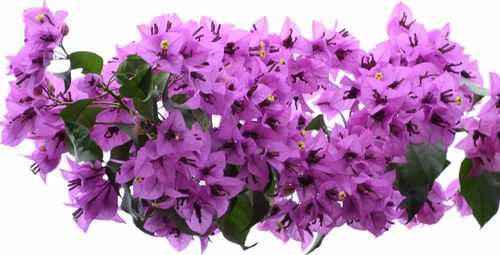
<point x="491" y="109"/>
<point x="453" y="194"/>
<point x="92" y="195"/>
<point x="164" y="227"/>
<point x="48" y="154"/>
<point x="162" y="50"/>
<point x="89" y="84"/>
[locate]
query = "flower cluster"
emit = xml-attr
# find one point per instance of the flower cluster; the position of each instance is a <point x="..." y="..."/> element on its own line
<point x="214" y="129"/>
<point x="482" y="143"/>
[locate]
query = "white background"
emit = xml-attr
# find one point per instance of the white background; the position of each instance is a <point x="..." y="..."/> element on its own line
<point x="33" y="218"/>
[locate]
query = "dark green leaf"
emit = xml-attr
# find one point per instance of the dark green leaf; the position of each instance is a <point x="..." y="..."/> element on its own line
<point x="233" y="224"/>
<point x="260" y="208"/>
<point x="88" y="61"/>
<point x="127" y="201"/>
<point x="111" y="174"/>
<point x="129" y="129"/>
<point x="130" y="67"/>
<point x="133" y="206"/>
<point x="83" y="147"/>
<point x="121" y="152"/>
<point x="231" y="170"/>
<point x="414" y="179"/>
<point x="202" y="118"/>
<point x="113" y="165"/>
<point x="179" y="222"/>
<point x="317" y="243"/>
<point x="130" y="87"/>
<point x="318" y="123"/>
<point x="146" y="109"/>
<point x="87" y="117"/>
<point x="482" y="193"/>
<point x="69" y="146"/>
<point x="160" y="82"/>
<point x="66" y="76"/>
<point x="188" y="117"/>
<point x="73" y="111"/>
<point x="179" y="98"/>
<point x="146" y="84"/>
<point x="81" y="113"/>
<point x="130" y="74"/>
<point x="273" y="179"/>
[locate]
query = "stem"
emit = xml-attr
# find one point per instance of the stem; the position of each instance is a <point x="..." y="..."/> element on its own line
<point x="106" y="123"/>
<point x="64" y="50"/>
<point x="119" y="100"/>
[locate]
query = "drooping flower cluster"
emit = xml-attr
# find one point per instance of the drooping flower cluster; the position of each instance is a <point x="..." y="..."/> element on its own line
<point x="214" y="129"/>
<point x="482" y="143"/>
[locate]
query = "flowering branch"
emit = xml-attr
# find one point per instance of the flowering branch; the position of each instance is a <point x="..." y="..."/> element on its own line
<point x="252" y="128"/>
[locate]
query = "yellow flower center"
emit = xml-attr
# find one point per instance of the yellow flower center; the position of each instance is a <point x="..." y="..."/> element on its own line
<point x="458" y="100"/>
<point x="262" y="45"/>
<point x="283" y="62"/>
<point x="301" y="145"/>
<point x="39" y="17"/>
<point x="342" y="195"/>
<point x="177" y="137"/>
<point x="155" y="204"/>
<point x="379" y="76"/>
<point x="262" y="51"/>
<point x="280" y="225"/>
<point x="138" y="179"/>
<point x="303" y="133"/>
<point x="51" y="90"/>
<point x="42" y="147"/>
<point x="164" y="45"/>
<point x="271" y="99"/>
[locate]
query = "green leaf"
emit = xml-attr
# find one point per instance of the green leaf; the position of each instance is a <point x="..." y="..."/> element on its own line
<point x="273" y="179"/>
<point x="114" y="166"/>
<point x="121" y="152"/>
<point x="188" y="117"/>
<point x="202" y="118"/>
<point x="130" y="87"/>
<point x="179" y="222"/>
<point x="475" y="88"/>
<point x="231" y="170"/>
<point x="87" y="117"/>
<point x="233" y="224"/>
<point x="130" y="75"/>
<point x="160" y="82"/>
<point x="318" y="123"/>
<point x="158" y="85"/>
<point x="133" y="206"/>
<point x="88" y="61"/>
<point x="414" y="179"/>
<point x="82" y="146"/>
<point x="317" y="243"/>
<point x="129" y="129"/>
<point x="131" y="66"/>
<point x="69" y="146"/>
<point x="81" y="113"/>
<point x="482" y="193"/>
<point x="260" y="208"/>
<point x="146" y="109"/>
<point x="66" y="76"/>
<point x="111" y="174"/>
<point x="179" y="98"/>
<point x="478" y="90"/>
<point x="73" y="111"/>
